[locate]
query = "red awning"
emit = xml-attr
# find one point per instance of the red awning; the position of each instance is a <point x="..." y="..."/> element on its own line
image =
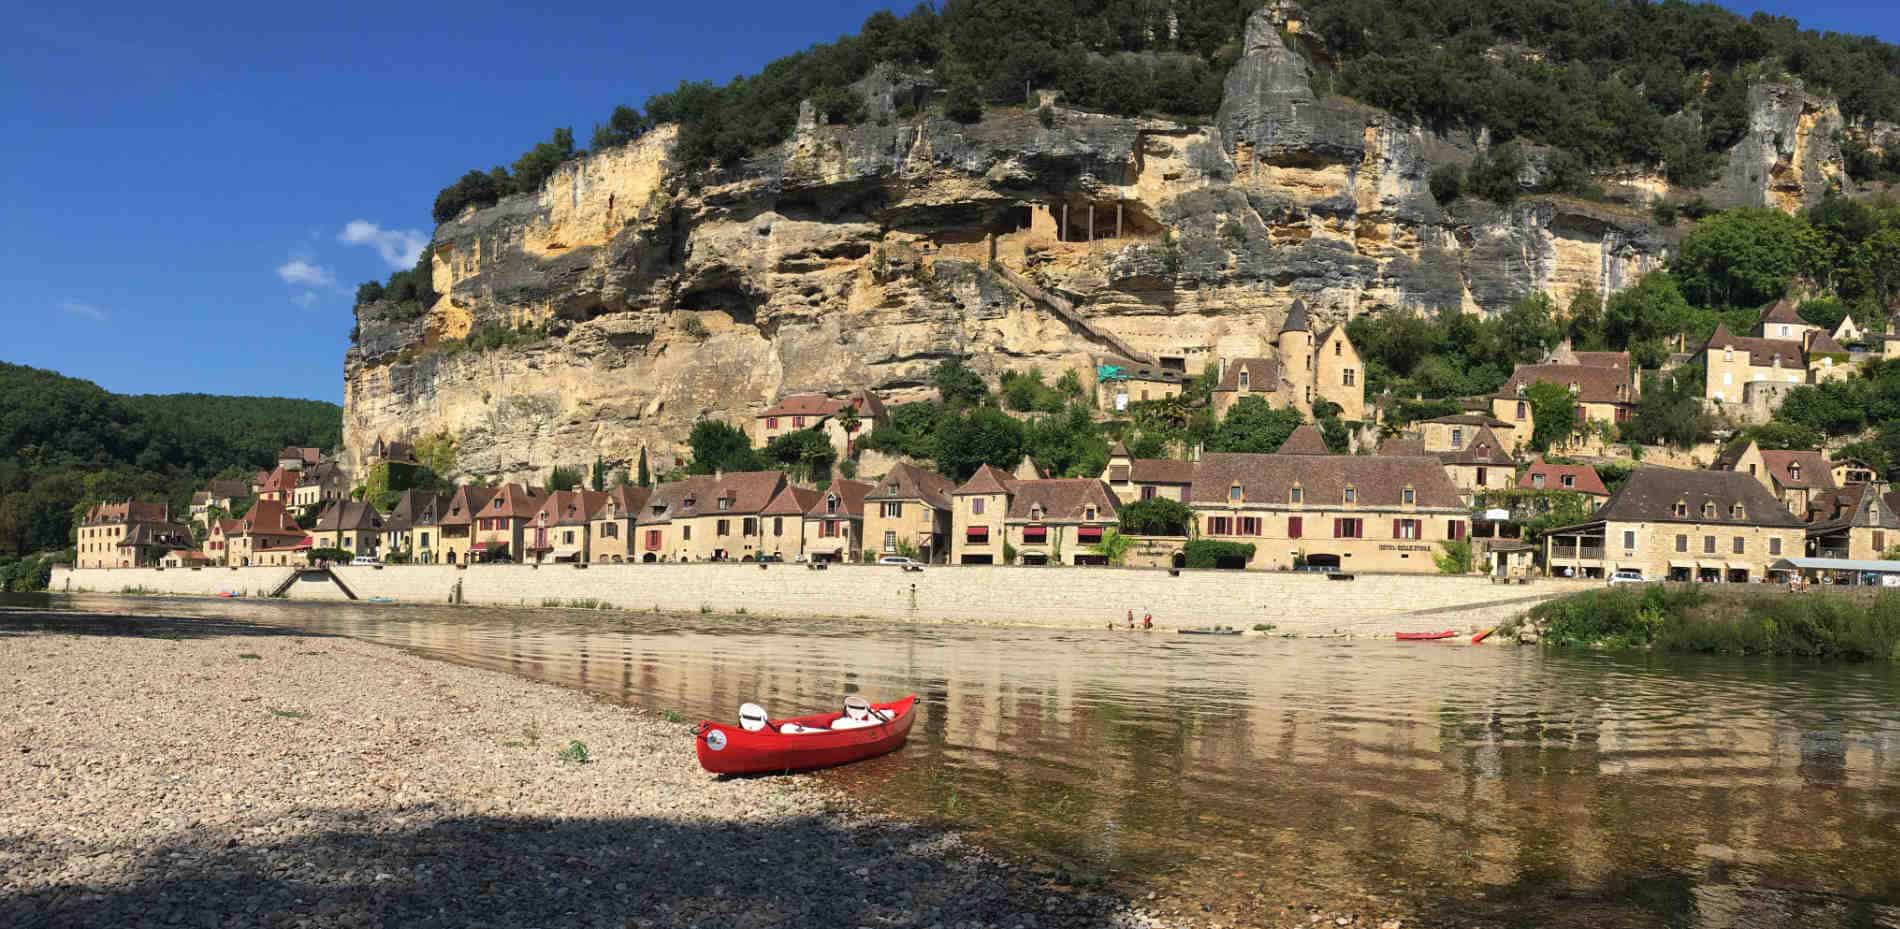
<point x="1035" y="533"/>
<point x="1089" y="533"/>
<point x="479" y="547"/>
<point x="979" y="533"/>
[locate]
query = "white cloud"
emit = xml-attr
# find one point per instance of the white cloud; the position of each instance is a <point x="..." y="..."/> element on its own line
<point x="300" y="271"/>
<point x="83" y="311"/>
<point x="399" y="247"/>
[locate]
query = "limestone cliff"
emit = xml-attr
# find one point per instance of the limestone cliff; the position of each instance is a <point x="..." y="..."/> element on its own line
<point x="860" y="256"/>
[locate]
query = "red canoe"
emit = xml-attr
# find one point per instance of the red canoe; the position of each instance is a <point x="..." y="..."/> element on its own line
<point x="1423" y="636"/>
<point x="725" y="749"/>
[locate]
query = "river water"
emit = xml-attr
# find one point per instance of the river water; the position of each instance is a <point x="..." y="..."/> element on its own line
<point x="1242" y="776"/>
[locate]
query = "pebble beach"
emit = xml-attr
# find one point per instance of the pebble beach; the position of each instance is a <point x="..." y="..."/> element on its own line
<point x="211" y="774"/>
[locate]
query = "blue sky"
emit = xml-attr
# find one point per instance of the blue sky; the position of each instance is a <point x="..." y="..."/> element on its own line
<point x="190" y="193"/>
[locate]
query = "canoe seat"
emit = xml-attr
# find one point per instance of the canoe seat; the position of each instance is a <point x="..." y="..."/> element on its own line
<point x="796" y="729"/>
<point x="752" y="717"/>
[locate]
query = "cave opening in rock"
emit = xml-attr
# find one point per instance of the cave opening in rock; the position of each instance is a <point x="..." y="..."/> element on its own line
<point x="741" y="306"/>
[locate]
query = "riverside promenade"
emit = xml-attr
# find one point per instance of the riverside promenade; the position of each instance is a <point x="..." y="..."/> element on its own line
<point x="1080" y="598"/>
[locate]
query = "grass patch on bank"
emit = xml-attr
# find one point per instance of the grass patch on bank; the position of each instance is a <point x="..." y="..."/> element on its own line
<point x="1842" y="626"/>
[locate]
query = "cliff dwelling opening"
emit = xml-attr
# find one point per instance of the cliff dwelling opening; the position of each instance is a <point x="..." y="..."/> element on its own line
<point x="1080" y="218"/>
<point x="739" y="305"/>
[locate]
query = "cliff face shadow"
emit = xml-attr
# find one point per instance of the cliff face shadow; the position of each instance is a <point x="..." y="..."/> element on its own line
<point x="490" y="871"/>
<point x="34" y="622"/>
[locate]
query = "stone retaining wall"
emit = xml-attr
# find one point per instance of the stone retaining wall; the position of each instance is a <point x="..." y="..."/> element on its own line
<point x="1071" y="597"/>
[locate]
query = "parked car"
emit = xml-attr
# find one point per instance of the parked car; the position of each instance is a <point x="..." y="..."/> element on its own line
<point x="364" y="560"/>
<point x="908" y="564"/>
<point x="1627" y="576"/>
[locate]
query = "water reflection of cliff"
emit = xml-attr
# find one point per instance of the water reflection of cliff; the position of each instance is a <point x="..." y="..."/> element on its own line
<point x="1471" y="784"/>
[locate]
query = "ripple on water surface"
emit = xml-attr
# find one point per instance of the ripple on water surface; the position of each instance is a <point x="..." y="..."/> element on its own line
<point x="1469" y="785"/>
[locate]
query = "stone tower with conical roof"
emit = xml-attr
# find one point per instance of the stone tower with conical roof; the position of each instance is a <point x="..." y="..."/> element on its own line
<point x="1296" y="357"/>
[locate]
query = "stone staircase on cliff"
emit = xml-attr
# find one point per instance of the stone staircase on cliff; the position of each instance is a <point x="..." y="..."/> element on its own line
<point x="1067" y="312"/>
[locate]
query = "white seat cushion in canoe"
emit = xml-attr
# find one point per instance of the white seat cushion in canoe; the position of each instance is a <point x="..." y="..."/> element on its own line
<point x="846" y="722"/>
<point x="796" y="729"/>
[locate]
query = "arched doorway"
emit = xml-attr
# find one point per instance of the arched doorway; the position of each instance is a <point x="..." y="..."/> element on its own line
<point x="1322" y="562"/>
<point x="1178" y="561"/>
<point x="649" y="558"/>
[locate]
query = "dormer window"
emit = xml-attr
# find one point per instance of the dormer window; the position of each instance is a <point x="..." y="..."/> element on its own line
<point x="1573" y="388"/>
<point x="1708" y="511"/>
<point x="497" y="503"/>
<point x="1736" y="512"/>
<point x="1570" y="480"/>
<point x="1728" y="353"/>
<point x="1296" y="495"/>
<point x="1035" y="511"/>
<point x="831" y="503"/>
<point x="1351" y="496"/>
<point x="1244" y="381"/>
<point x="725" y="503"/>
<point x="1520" y="389"/>
<point x="1681" y="508"/>
<point x="1233" y="493"/>
<point x="1457" y="438"/>
<point x="1408" y="496"/>
<point x="1794" y="471"/>
<point x="1537" y="482"/>
<point x="1089" y="514"/>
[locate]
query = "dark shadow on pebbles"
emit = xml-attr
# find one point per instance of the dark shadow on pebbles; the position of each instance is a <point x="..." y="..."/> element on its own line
<point x="30" y="622"/>
<point x="817" y="871"/>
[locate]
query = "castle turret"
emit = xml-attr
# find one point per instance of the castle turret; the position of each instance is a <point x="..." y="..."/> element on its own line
<point x="1296" y="357"/>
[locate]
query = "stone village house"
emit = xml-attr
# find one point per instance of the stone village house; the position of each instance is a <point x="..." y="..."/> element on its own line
<point x="351" y="525"/>
<point x="783" y="533"/>
<point x="1678" y="525"/>
<point x="909" y="506"/>
<point x="559" y="530"/>
<point x="1308" y="367"/>
<point x="833" y="523"/>
<point x="1340" y="512"/>
<point x="129" y="534"/>
<point x="610" y="529"/>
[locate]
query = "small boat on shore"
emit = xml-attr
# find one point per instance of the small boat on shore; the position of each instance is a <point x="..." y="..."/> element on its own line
<point x="824" y="740"/>
<point x="1217" y="630"/>
<point x="1423" y="636"/>
<point x="1480" y="637"/>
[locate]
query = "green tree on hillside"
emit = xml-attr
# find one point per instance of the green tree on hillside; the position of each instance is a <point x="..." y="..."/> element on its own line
<point x="1252" y="426"/>
<point x="1746" y="258"/>
<point x="719" y="447"/>
<point x="1555" y="411"/>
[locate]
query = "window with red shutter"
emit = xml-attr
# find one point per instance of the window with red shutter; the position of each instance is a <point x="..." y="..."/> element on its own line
<point x="1294" y="526"/>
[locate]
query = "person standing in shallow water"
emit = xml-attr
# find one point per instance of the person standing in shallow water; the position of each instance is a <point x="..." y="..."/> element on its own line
<point x="1147" y="620"/>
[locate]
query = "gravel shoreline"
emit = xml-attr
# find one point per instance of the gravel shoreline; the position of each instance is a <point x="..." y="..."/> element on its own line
<point x="209" y="774"/>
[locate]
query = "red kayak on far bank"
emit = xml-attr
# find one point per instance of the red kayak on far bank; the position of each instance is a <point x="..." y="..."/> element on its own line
<point x="803" y="743"/>
<point x="1423" y="636"/>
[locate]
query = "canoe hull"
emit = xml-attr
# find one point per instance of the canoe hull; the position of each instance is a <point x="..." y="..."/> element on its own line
<point x="1423" y="636"/>
<point x="729" y="749"/>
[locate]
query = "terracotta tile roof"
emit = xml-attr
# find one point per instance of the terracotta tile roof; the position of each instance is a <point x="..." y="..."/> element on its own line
<point x="324" y="472"/>
<point x="1848" y="508"/>
<point x="348" y="516"/>
<point x="267" y="516"/>
<point x="1376" y="480"/>
<point x="1162" y="471"/>
<point x="222" y="490"/>
<point x="676" y="499"/>
<point x="850" y="499"/>
<point x="748" y="492"/>
<point x="281" y="480"/>
<point x="988" y="479"/>
<point x="465" y="504"/>
<point x="805" y="405"/>
<point x="156" y="535"/>
<point x="1064" y="500"/>
<point x="1801" y="470"/>
<point x="1263" y="375"/>
<point x="569" y="507"/>
<point x="1483" y="449"/>
<point x="1402" y="447"/>
<point x="1594" y="385"/>
<point x="514" y="501"/>
<point x="1652" y="493"/>
<point x="308" y="456"/>
<point x="1583" y="478"/>
<point x="129" y="511"/>
<point x="230" y="526"/>
<point x="1821" y="343"/>
<point x="909" y="482"/>
<point x="627" y="500"/>
<point x="1305" y="440"/>
<point x="1784" y="311"/>
<point x="1761" y="352"/>
<point x="1603" y="359"/>
<point x="792" y="500"/>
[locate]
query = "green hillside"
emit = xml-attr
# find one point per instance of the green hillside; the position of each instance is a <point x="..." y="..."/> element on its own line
<point x="66" y="443"/>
